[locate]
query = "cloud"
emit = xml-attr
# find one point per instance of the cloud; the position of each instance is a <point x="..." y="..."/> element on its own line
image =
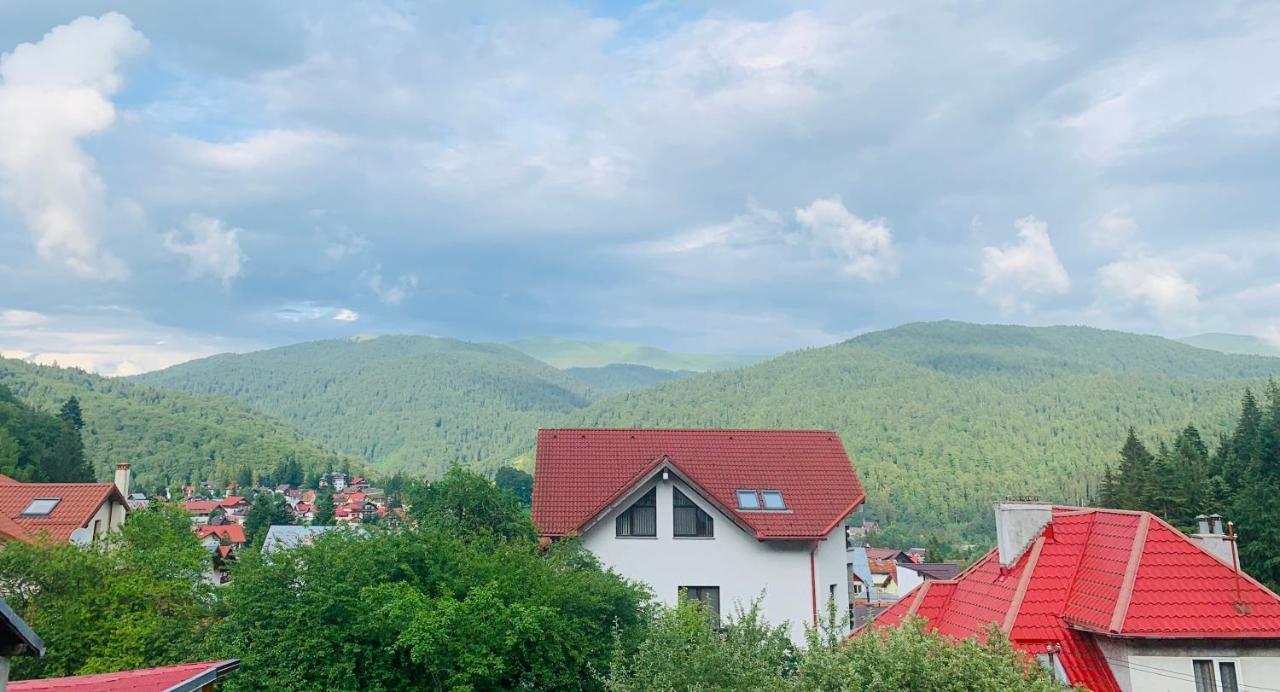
<point x="1014" y="275"/>
<point x="213" y="249"/>
<point x="391" y="293"/>
<point x="1154" y="284"/>
<point x="346" y="315"/>
<point x="1115" y="230"/>
<point x="309" y="311"/>
<point x="53" y="94"/>
<point x="864" y="248"/>
<point x="21" y="318"/>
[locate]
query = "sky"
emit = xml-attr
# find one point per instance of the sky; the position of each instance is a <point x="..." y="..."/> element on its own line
<point x="746" y="177"/>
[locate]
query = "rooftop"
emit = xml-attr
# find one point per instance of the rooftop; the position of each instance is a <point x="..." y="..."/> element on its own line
<point x="75" y="505"/>
<point x="185" y="677"/>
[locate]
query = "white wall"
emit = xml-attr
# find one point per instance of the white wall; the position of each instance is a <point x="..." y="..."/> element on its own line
<point x="733" y="560"/>
<point x="110" y="516"/>
<point x="906" y="579"/>
<point x="1165" y="665"/>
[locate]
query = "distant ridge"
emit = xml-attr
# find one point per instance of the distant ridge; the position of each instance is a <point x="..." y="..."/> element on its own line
<point x="1233" y="343"/>
<point x="570" y="353"/>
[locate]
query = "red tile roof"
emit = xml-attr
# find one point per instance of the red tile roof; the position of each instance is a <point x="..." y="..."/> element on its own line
<point x="78" y="502"/>
<point x="232" y="533"/>
<point x="1109" y="572"/>
<point x="231" y="501"/>
<point x="186" y="677"/>
<point x="580" y="472"/>
<point x="200" y="506"/>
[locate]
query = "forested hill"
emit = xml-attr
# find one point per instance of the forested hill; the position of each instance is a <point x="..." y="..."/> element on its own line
<point x="406" y="402"/>
<point x="943" y="418"/>
<point x="1233" y="343"/>
<point x="620" y="377"/>
<point x="569" y="353"/>
<point x="169" y="437"/>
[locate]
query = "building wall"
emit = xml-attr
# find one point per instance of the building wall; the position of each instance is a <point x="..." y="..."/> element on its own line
<point x="906" y="580"/>
<point x="777" y="572"/>
<point x="1140" y="665"/>
<point x="108" y="517"/>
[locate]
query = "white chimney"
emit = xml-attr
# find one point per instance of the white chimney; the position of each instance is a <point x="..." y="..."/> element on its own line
<point x="1017" y="525"/>
<point x="122" y="479"/>
<point x="1210" y="536"/>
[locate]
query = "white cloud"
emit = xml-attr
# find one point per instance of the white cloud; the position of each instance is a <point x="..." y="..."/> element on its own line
<point x="213" y="249"/>
<point x="1115" y="230"/>
<point x="53" y="94"/>
<point x="21" y="318"/>
<point x="1152" y="283"/>
<point x="309" y="311"/>
<point x="1014" y="275"/>
<point x="280" y="148"/>
<point x="864" y="248"/>
<point x="346" y="315"/>
<point x="391" y="293"/>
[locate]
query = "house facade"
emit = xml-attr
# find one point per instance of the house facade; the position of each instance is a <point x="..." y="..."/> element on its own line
<point x="76" y="512"/>
<point x="1112" y="600"/>
<point x="727" y="517"/>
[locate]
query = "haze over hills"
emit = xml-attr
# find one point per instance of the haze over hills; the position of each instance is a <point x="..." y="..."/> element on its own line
<point x="169" y="437"/>
<point x="622" y="377"/>
<point x="1233" y="343"/>
<point x="569" y="353"/>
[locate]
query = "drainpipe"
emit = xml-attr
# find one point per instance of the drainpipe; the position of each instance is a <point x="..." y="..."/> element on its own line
<point x="813" y="583"/>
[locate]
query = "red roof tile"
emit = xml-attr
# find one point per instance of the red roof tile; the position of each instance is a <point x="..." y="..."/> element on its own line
<point x="1110" y="572"/>
<point x="185" y="677"/>
<point x="232" y="533"/>
<point x="200" y="506"/>
<point x="77" y="503"/>
<point x="579" y="472"/>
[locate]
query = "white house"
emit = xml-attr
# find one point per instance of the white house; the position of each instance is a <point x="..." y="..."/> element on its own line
<point x="74" y="512"/>
<point x="1112" y="600"/>
<point x="723" y="516"/>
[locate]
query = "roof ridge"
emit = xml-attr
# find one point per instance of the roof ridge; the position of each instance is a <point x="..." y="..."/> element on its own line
<point x="1015" y="603"/>
<point x="1084" y="548"/>
<point x="1130" y="573"/>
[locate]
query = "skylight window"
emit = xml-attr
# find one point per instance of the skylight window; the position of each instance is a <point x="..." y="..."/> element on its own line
<point x="747" y="499"/>
<point x="773" y="499"/>
<point x="41" y="507"/>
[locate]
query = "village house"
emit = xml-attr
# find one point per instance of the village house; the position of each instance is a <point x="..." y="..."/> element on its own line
<point x="75" y="512"/>
<point x="722" y="516"/>
<point x="1112" y="600"/>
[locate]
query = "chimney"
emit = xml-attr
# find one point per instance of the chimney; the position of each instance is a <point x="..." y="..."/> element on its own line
<point x="122" y="479"/>
<point x="1017" y="525"/>
<point x="1210" y="536"/>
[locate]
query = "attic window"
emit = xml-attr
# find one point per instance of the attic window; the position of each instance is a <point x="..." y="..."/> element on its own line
<point x="772" y="499"/>
<point x="747" y="499"/>
<point x="41" y="507"/>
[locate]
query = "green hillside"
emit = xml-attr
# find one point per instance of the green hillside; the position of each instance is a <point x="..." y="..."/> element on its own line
<point x="405" y="402"/>
<point x="169" y="437"/>
<point x="612" y="379"/>
<point x="568" y="353"/>
<point x="1233" y="343"/>
<point x="943" y="418"/>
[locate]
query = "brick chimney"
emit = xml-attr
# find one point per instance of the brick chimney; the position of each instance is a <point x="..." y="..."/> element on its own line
<point x="1211" y="535"/>
<point x="122" y="479"/>
<point x="1017" y="525"/>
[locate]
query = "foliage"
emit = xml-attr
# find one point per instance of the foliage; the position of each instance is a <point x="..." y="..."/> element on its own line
<point x="568" y="353"/>
<point x="1241" y="478"/>
<point x="171" y="438"/>
<point x="132" y="600"/>
<point x="37" y="446"/>
<point x="422" y="609"/>
<point x="267" y="510"/>
<point x="517" y="482"/>
<point x="619" y="377"/>
<point x="469" y="505"/>
<point x="324" y="510"/>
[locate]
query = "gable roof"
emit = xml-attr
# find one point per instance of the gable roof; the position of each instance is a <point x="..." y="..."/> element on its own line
<point x="77" y="503"/>
<point x="200" y="506"/>
<point x="232" y="533"/>
<point x="1097" y="571"/>
<point x="581" y="472"/>
<point x="933" y="570"/>
<point x="185" y="677"/>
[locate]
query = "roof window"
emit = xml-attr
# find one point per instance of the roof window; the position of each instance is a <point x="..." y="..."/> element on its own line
<point x="772" y="499"/>
<point x="747" y="499"/>
<point x="41" y="506"/>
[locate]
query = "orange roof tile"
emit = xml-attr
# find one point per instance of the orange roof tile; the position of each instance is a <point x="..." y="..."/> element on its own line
<point x="77" y="503"/>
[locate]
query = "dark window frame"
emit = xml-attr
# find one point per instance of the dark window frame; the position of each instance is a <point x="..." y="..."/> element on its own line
<point x="703" y="523"/>
<point x="709" y="596"/>
<point x="644" y="513"/>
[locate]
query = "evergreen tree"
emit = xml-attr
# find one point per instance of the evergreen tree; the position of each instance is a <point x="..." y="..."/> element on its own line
<point x="1130" y="484"/>
<point x="1164" y="491"/>
<point x="323" y="515"/>
<point x="268" y="510"/>
<point x="244" y="478"/>
<point x="517" y="482"/>
<point x="70" y="412"/>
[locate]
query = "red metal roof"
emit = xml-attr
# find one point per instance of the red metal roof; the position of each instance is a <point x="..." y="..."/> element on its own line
<point x="1097" y="571"/>
<point x="580" y="472"/>
<point x="184" y="677"/>
<point x="77" y="503"/>
<point x="232" y="533"/>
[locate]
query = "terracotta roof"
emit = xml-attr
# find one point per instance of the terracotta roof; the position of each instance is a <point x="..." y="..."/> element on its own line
<point x="186" y="677"/>
<point x="77" y="503"/>
<point x="1109" y="572"/>
<point x="581" y="472"/>
<point x="200" y="506"/>
<point x="231" y="501"/>
<point x="232" y="533"/>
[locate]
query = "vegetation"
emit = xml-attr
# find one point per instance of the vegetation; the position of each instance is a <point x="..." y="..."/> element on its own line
<point x="133" y="601"/>
<point x="517" y="482"/>
<point x="267" y="510"/>
<point x="612" y="379"/>
<point x="405" y="402"/>
<point x="37" y="446"/>
<point x="1240" y="478"/>
<point x="568" y="353"/>
<point x="169" y="437"/>
<point x="1233" y="343"/>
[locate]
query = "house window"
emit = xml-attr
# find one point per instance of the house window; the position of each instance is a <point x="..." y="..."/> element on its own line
<point x="772" y="499"/>
<point x="689" y="519"/>
<point x="641" y="519"/>
<point x="855" y="588"/>
<point x="1215" y="676"/>
<point x="747" y="499"/>
<point x="97" y="528"/>
<point x="41" y="507"/>
<point x="708" y="596"/>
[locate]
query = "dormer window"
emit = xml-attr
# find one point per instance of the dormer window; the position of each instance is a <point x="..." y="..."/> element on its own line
<point x="772" y="499"/>
<point x="41" y="507"/>
<point x="747" y="499"/>
<point x="640" y="520"/>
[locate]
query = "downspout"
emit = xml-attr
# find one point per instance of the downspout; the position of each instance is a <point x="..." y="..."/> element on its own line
<point x="813" y="583"/>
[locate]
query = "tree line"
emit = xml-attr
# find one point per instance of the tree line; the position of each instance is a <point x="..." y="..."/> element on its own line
<point x="37" y="446"/>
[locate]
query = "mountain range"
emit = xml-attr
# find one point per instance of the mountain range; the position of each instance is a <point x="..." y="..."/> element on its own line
<point x="1233" y="343"/>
